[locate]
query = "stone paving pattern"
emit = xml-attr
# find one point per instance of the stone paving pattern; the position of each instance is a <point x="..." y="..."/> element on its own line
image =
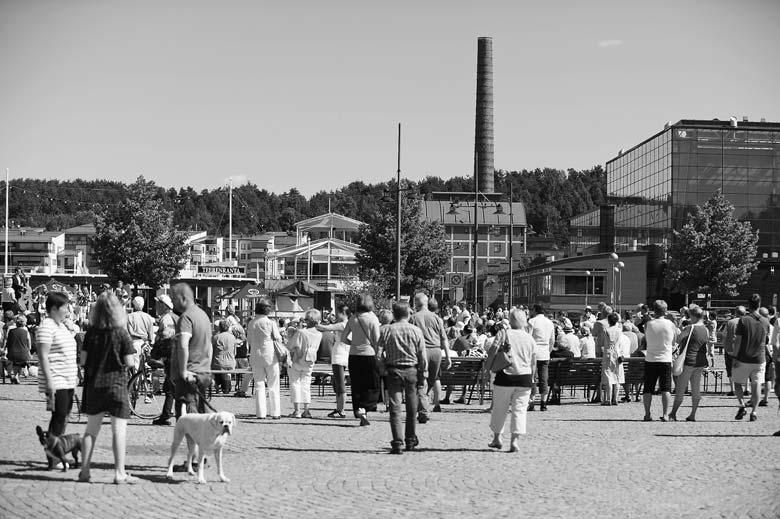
<point x="578" y="459"/>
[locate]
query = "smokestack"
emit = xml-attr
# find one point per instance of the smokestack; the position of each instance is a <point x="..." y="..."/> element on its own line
<point x="483" y="132"/>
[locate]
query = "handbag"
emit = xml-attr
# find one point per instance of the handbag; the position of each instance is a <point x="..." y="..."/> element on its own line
<point x="679" y="361"/>
<point x="502" y="359"/>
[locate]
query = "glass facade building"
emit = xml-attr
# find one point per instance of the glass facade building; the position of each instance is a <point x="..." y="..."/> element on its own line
<point x="655" y="184"/>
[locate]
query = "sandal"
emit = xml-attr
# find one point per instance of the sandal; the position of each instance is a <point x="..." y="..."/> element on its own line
<point x="127" y="480"/>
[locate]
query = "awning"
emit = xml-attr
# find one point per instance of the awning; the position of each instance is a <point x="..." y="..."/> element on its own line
<point x="52" y="285"/>
<point x="248" y="291"/>
<point x="299" y="288"/>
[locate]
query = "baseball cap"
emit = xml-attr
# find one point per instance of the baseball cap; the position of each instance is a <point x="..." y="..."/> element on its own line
<point x="165" y="299"/>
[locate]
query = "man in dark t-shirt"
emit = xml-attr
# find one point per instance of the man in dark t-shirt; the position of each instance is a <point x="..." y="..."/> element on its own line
<point x="191" y="358"/>
<point x="750" y="340"/>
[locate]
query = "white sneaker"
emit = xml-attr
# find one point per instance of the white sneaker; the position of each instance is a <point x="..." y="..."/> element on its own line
<point x="147" y="400"/>
<point x="58" y="466"/>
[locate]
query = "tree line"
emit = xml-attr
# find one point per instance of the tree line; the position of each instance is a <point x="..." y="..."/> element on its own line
<point x="551" y="197"/>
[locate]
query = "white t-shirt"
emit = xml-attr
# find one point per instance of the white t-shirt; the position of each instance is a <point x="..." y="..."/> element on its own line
<point x="542" y="330"/>
<point x="660" y="334"/>
<point x="588" y="347"/>
<point x="62" y="356"/>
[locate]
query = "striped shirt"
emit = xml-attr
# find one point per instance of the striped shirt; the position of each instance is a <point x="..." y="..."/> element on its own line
<point x="62" y="356"/>
<point x="403" y="345"/>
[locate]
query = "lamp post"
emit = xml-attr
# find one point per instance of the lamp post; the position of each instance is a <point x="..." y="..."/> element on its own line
<point x="587" y="280"/>
<point x="612" y="292"/>
<point x="398" y="230"/>
<point x="620" y="267"/>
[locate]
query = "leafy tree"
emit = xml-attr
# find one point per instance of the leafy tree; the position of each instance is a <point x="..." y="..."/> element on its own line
<point x="135" y="240"/>
<point x="375" y="285"/>
<point x="713" y="252"/>
<point x="423" y="248"/>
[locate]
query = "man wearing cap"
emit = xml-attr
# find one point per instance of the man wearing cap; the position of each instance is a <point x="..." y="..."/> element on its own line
<point x="163" y="344"/>
<point x="140" y="325"/>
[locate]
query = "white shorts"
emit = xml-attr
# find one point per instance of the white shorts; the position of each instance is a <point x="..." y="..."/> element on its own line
<point x="741" y="372"/>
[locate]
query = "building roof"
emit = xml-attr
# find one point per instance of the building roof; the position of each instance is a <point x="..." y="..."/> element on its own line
<point x="338" y="248"/>
<point x="329" y="221"/>
<point x="87" y="228"/>
<point x="32" y="235"/>
<point x="438" y="211"/>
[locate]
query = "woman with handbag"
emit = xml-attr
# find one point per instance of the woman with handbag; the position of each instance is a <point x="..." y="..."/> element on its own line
<point x="362" y="335"/>
<point x="690" y="362"/>
<point x="611" y="360"/>
<point x="513" y="360"/>
<point x="265" y="344"/>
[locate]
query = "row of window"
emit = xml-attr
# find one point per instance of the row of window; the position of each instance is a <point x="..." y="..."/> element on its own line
<point x="726" y="135"/>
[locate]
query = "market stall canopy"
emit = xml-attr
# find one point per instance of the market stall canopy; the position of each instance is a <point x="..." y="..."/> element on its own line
<point x="248" y="291"/>
<point x="299" y="288"/>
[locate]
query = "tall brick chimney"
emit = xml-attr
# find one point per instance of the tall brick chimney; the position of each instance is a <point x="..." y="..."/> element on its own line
<point x="483" y="132"/>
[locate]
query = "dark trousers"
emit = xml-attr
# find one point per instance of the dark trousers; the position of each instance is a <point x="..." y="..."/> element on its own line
<point x="63" y="402"/>
<point x="167" y="410"/>
<point x="402" y="383"/>
<point x="189" y="394"/>
<point x="222" y="381"/>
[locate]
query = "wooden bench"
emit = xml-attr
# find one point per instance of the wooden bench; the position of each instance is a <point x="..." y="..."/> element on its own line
<point x="465" y="371"/>
<point x="237" y="371"/>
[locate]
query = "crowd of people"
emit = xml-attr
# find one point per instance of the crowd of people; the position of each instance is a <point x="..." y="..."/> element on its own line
<point x="392" y="355"/>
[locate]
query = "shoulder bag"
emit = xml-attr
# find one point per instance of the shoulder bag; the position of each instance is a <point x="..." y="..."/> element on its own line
<point x="502" y="359"/>
<point x="280" y="350"/>
<point x="679" y="361"/>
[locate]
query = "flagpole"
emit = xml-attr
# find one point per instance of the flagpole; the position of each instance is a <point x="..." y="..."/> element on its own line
<point x="230" y="221"/>
<point x="6" y="220"/>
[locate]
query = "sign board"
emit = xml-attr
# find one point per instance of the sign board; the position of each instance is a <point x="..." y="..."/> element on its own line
<point x="456" y="280"/>
<point x="215" y="270"/>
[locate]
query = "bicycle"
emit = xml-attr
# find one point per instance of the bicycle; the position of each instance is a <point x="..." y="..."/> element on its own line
<point x="144" y="403"/>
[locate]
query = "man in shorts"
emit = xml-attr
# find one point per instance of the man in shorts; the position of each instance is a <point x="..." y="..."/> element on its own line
<point x="432" y="328"/>
<point x="660" y="337"/>
<point x="191" y="358"/>
<point x="750" y="358"/>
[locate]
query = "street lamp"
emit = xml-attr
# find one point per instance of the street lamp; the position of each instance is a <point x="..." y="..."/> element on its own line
<point x="613" y="295"/>
<point x="587" y="279"/>
<point x="620" y="267"/>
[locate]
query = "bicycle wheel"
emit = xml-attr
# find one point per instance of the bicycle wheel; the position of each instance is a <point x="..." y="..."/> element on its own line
<point x="143" y="402"/>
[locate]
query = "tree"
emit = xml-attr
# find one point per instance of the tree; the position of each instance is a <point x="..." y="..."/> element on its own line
<point x="713" y="252"/>
<point x="423" y="248"/>
<point x="135" y="240"/>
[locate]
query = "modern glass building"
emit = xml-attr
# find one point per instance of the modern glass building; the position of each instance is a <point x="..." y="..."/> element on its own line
<point x="655" y="184"/>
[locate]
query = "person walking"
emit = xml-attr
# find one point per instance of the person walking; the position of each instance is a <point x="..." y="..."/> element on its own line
<point x="401" y="351"/>
<point x="694" y="339"/>
<point x="107" y="354"/>
<point x="303" y="348"/>
<point x="660" y="335"/>
<point x="58" y="371"/>
<point x="191" y="358"/>
<point x="432" y="328"/>
<point x="543" y="332"/>
<point x="163" y="346"/>
<point x="729" y="348"/>
<point x="750" y="358"/>
<point x="339" y="358"/>
<point x="224" y="351"/>
<point x="512" y="384"/>
<point x="261" y="333"/>
<point x="362" y="335"/>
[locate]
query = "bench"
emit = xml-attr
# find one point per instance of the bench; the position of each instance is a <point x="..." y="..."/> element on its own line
<point x="465" y="371"/>
<point x="587" y="373"/>
<point x="237" y="371"/>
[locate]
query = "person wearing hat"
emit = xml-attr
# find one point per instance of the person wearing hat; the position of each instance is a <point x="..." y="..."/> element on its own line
<point x="589" y="316"/>
<point x="166" y="331"/>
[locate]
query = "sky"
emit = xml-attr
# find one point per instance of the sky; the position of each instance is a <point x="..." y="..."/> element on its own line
<point x="308" y="94"/>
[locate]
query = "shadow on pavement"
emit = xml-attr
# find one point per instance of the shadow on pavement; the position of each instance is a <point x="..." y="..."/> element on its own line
<point x="340" y="451"/>
<point x="595" y="419"/>
<point x="426" y="449"/>
<point x="715" y="435"/>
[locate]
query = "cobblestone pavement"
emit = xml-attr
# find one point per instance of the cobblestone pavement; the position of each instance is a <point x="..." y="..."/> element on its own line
<point x="578" y="459"/>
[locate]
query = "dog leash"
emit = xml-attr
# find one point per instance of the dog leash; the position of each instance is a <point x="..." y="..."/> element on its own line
<point x="203" y="397"/>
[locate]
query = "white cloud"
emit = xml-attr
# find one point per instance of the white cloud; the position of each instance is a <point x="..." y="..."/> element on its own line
<point x="610" y="43"/>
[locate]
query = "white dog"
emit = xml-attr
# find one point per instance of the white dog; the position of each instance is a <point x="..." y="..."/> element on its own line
<point x="204" y="432"/>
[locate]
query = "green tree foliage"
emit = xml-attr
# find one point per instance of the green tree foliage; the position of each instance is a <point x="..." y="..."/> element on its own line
<point x="423" y="248"/>
<point x="551" y="197"/>
<point x="135" y="240"/>
<point x="713" y="252"/>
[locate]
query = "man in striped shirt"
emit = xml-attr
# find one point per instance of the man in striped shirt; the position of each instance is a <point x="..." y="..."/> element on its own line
<point x="402" y="352"/>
